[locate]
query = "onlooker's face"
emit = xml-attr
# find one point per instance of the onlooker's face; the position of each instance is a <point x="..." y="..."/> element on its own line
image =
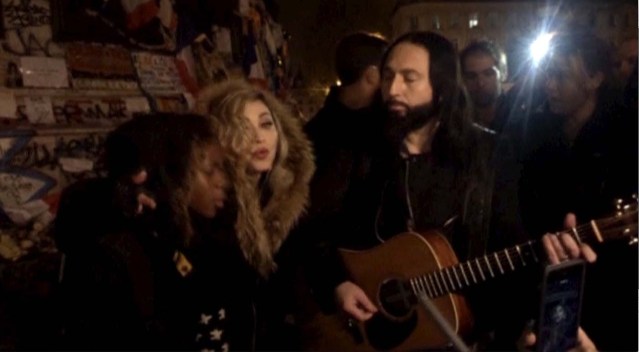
<point x="209" y="184"/>
<point x="566" y="85"/>
<point x="266" y="140"/>
<point x="406" y="80"/>
<point x="482" y="79"/>
<point x="627" y="58"/>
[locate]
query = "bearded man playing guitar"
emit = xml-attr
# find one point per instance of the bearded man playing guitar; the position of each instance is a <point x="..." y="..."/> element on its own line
<point x="445" y="173"/>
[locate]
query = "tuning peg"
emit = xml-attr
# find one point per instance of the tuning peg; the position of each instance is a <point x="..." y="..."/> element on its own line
<point x="622" y="210"/>
<point x="633" y="241"/>
<point x="621" y="204"/>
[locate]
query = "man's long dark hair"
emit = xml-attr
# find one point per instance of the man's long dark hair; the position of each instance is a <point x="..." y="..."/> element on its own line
<point x="596" y="56"/>
<point x="455" y="139"/>
<point x="457" y="142"/>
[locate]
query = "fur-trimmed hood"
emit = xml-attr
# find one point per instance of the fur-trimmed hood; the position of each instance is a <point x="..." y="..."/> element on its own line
<point x="260" y="230"/>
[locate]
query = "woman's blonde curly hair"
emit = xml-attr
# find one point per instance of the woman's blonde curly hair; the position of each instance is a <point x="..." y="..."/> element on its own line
<point x="224" y="103"/>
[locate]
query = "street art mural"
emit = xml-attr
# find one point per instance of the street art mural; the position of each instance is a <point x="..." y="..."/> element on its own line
<point x="35" y="167"/>
<point x="36" y="163"/>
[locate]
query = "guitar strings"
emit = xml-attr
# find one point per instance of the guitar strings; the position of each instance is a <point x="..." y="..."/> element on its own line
<point x="498" y="259"/>
<point x="421" y="282"/>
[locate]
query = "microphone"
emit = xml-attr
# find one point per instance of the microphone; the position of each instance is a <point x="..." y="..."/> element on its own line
<point x="430" y="307"/>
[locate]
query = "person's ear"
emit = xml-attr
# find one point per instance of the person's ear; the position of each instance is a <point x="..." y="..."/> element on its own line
<point x="372" y="75"/>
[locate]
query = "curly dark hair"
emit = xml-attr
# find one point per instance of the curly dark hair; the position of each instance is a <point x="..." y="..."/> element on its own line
<point x="166" y="146"/>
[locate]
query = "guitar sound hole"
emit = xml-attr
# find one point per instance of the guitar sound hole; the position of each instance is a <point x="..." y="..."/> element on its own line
<point x="396" y="298"/>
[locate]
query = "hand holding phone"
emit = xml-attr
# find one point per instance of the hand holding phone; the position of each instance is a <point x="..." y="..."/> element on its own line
<point x="560" y="309"/>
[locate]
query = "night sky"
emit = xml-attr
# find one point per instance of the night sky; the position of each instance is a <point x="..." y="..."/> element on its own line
<point x="317" y="25"/>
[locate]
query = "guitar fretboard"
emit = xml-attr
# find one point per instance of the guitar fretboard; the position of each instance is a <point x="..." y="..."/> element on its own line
<point x="492" y="265"/>
<point x="466" y="274"/>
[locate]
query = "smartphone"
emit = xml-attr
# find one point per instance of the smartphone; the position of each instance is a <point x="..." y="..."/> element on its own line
<point x="560" y="309"/>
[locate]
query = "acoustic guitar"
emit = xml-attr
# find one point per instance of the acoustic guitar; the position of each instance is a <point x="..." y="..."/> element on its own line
<point x="396" y="272"/>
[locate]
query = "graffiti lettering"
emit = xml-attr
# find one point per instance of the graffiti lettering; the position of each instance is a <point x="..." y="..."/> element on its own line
<point x="34" y="155"/>
<point x="87" y="147"/>
<point x="68" y="113"/>
<point x="14" y="189"/>
<point x="28" y="30"/>
<point x="115" y="110"/>
<point x="42" y="155"/>
<point x="25" y="14"/>
<point x="25" y="42"/>
<point x="81" y="111"/>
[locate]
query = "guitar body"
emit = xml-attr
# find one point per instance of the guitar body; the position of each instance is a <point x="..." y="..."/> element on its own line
<point x="321" y="331"/>
<point x="404" y="256"/>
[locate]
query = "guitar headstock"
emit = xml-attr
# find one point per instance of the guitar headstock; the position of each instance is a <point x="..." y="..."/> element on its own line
<point x="625" y="209"/>
<point x="623" y="224"/>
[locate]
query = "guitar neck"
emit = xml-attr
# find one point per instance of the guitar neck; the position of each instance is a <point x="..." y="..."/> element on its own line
<point x="496" y="264"/>
<point x="475" y="271"/>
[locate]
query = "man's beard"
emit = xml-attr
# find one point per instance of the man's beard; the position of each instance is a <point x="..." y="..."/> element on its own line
<point x="399" y="126"/>
<point x="484" y="99"/>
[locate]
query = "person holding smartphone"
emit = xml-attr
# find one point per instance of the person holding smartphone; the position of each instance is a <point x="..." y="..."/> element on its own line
<point x="561" y="247"/>
<point x="580" y="156"/>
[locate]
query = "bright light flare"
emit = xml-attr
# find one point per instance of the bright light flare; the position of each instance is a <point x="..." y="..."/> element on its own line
<point x="540" y="47"/>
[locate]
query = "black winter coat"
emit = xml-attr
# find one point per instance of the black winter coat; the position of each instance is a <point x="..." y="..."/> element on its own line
<point x="123" y="287"/>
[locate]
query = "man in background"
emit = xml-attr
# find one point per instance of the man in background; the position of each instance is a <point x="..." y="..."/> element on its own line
<point x="346" y="133"/>
<point x="349" y="122"/>
<point x="484" y="70"/>
<point x="581" y="154"/>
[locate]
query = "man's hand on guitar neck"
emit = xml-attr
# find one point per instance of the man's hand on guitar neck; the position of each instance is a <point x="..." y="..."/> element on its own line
<point x="563" y="246"/>
<point x="353" y="300"/>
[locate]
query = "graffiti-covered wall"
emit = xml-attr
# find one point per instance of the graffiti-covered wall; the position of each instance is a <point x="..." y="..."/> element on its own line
<point x="34" y="163"/>
<point x="37" y="159"/>
<point x="57" y="141"/>
<point x="71" y="71"/>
